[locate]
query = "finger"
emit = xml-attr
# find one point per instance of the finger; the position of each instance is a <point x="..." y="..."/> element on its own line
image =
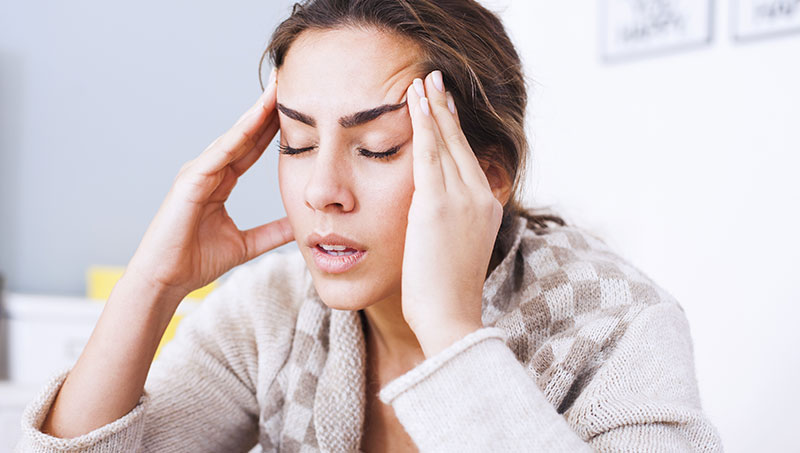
<point x="451" y="105"/>
<point x="264" y="238"/>
<point x="426" y="162"/>
<point x="452" y="178"/>
<point x="231" y="175"/>
<point x="468" y="165"/>
<point x="247" y="161"/>
<point x="223" y="190"/>
<point x="243" y="136"/>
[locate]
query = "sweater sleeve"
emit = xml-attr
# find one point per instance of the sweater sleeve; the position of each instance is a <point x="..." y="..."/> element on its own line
<point x="476" y="396"/>
<point x="199" y="395"/>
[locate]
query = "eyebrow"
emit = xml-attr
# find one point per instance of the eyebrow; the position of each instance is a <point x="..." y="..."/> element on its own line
<point x="353" y="120"/>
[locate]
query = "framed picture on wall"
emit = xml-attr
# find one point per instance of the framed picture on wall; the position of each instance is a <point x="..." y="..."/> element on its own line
<point x="752" y="19"/>
<point x="637" y="28"/>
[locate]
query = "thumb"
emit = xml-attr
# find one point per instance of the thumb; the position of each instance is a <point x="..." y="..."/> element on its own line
<point x="264" y="238"/>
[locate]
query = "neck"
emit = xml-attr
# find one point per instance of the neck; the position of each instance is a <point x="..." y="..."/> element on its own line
<point x="388" y="332"/>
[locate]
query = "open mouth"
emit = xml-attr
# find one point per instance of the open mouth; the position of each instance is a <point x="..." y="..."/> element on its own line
<point x="337" y="250"/>
<point x="333" y="253"/>
<point x="336" y="259"/>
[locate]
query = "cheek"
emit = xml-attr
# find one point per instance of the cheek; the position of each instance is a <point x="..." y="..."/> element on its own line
<point x="291" y="181"/>
<point x="392" y="197"/>
<point x="386" y="197"/>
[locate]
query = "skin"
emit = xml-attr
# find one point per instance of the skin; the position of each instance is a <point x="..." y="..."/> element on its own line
<point x="419" y="286"/>
<point x="419" y="289"/>
<point x="334" y="188"/>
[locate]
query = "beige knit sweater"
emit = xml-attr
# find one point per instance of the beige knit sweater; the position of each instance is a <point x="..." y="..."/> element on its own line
<point x="580" y="352"/>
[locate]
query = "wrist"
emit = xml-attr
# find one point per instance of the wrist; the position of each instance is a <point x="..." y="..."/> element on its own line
<point x="134" y="276"/>
<point x="158" y="299"/>
<point x="438" y="337"/>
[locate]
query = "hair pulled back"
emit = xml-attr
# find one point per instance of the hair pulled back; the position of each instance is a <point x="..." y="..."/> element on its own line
<point x="479" y="64"/>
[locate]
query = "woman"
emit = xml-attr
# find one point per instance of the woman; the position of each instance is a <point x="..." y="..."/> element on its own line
<point x="426" y="310"/>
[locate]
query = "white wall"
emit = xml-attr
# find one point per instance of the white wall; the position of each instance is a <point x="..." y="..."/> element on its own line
<point x="100" y="104"/>
<point x="686" y="163"/>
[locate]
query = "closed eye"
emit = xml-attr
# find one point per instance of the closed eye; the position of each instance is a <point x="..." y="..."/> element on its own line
<point x="391" y="151"/>
<point x="286" y="149"/>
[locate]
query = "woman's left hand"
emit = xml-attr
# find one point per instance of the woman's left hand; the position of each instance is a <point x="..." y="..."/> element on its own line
<point x="452" y="223"/>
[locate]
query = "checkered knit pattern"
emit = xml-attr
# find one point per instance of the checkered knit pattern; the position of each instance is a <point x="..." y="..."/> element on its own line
<point x="571" y="300"/>
<point x="265" y="361"/>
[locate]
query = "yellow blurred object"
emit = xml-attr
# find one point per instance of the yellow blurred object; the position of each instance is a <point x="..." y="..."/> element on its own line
<point x="169" y="333"/>
<point x="100" y="280"/>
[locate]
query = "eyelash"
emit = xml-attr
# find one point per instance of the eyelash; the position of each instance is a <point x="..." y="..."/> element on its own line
<point x="285" y="149"/>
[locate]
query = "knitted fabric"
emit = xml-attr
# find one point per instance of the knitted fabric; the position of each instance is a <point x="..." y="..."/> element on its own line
<point x="580" y="352"/>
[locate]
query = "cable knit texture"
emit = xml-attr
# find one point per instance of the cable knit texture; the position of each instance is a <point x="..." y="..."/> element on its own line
<point x="580" y="352"/>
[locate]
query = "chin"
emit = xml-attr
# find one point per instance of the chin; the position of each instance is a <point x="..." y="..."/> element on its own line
<point x="343" y="295"/>
<point x="354" y="291"/>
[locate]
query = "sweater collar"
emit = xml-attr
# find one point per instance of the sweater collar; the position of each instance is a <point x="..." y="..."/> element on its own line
<point x="340" y="399"/>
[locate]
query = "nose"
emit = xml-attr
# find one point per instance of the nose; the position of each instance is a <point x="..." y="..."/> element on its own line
<point x="329" y="187"/>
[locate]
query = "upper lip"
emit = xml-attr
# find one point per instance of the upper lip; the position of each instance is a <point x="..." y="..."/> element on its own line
<point x="315" y="239"/>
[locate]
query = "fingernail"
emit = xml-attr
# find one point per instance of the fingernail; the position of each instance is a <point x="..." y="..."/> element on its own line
<point x="423" y="104"/>
<point x="272" y="76"/>
<point x="437" y="80"/>
<point x="451" y="103"/>
<point x="419" y="87"/>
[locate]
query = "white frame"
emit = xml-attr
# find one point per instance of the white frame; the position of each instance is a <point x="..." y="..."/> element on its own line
<point x="689" y="25"/>
<point x="746" y="25"/>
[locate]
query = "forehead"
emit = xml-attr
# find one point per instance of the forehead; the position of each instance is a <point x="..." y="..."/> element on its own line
<point x="328" y="73"/>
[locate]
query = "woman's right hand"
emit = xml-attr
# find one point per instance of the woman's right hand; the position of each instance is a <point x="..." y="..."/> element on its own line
<point x="192" y="240"/>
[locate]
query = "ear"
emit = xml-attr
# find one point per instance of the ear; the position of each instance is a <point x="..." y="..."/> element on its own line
<point x="499" y="181"/>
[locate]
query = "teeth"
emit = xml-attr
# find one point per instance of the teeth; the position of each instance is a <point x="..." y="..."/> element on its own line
<point x="337" y="248"/>
<point x="340" y="253"/>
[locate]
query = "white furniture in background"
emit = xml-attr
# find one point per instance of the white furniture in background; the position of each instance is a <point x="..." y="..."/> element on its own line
<point x="45" y="333"/>
<point x="40" y="335"/>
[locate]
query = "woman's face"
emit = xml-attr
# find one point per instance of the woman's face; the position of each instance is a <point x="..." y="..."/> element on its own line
<point x="339" y="185"/>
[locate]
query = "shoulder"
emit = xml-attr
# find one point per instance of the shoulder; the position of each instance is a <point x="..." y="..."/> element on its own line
<point x="569" y="300"/>
<point x="577" y="264"/>
<point x="563" y="274"/>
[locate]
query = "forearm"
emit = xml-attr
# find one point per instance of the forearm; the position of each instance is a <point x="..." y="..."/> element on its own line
<point x="108" y="379"/>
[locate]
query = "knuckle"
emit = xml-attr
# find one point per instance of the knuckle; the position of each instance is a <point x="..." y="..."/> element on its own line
<point x="249" y="141"/>
<point x="187" y="165"/>
<point x="228" y="152"/>
<point x="439" y="102"/>
<point x="216" y="141"/>
<point x="431" y="157"/>
<point x="454" y="136"/>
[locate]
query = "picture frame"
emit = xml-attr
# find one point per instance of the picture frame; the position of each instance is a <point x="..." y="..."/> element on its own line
<point x="757" y="19"/>
<point x="639" y="28"/>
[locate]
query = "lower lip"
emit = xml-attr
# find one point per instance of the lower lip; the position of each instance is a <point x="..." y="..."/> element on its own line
<point x="336" y="264"/>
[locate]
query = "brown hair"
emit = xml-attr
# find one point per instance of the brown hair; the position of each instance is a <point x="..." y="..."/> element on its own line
<point x="479" y="64"/>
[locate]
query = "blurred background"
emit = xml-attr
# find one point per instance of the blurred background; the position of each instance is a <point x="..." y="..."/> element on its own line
<point x="670" y="128"/>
